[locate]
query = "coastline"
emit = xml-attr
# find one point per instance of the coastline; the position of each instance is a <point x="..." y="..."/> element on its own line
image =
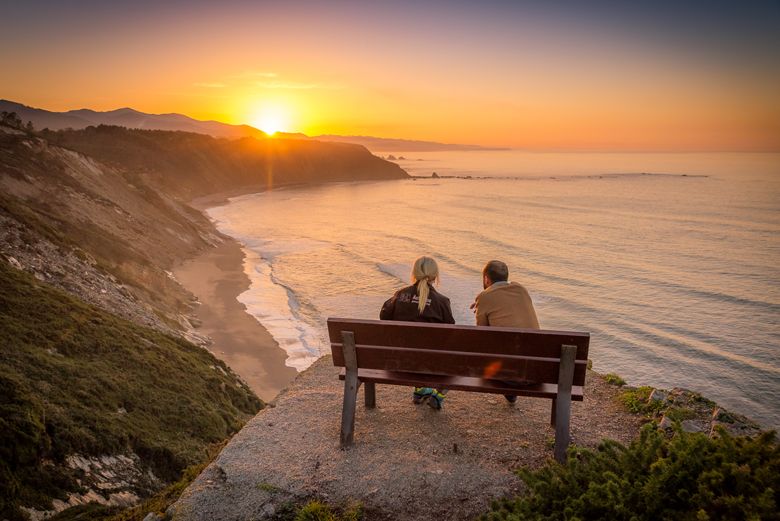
<point x="205" y="202"/>
<point x="216" y="277"/>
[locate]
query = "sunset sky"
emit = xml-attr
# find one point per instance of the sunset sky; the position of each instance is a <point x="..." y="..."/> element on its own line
<point x="537" y="75"/>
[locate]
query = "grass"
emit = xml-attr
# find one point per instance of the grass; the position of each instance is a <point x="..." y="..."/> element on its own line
<point x="267" y="487"/>
<point x="636" y="400"/>
<point x="678" y="414"/>
<point x="317" y="511"/>
<point x="69" y="369"/>
<point x="613" y="379"/>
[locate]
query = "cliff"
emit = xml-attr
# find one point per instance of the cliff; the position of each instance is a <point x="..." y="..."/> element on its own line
<point x="412" y="463"/>
<point x="191" y="165"/>
<point x="103" y="398"/>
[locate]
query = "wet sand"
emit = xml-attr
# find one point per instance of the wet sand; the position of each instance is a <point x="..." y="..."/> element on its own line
<point x="217" y="277"/>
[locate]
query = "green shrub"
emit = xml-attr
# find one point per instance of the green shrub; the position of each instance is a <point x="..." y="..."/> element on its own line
<point x="687" y="477"/>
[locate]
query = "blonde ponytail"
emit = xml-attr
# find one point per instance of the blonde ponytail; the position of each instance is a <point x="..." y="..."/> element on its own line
<point x="422" y="293"/>
<point x="425" y="271"/>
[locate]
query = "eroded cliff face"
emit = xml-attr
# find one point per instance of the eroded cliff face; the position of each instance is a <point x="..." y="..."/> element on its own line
<point x="78" y="224"/>
<point x="103" y="213"/>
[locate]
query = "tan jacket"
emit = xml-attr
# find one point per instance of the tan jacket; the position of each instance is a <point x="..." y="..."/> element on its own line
<point x="507" y="305"/>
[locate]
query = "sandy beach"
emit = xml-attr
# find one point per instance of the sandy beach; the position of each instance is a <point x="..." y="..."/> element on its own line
<point x="216" y="278"/>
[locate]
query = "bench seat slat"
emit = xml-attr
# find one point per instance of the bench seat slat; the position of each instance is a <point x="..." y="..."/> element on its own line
<point x="478" y="352"/>
<point x="475" y="364"/>
<point x="462" y="383"/>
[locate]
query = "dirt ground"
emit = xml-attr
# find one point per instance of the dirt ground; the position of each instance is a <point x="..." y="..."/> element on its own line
<point x="408" y="462"/>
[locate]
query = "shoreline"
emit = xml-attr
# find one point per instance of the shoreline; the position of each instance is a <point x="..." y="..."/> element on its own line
<point x="205" y="202"/>
<point x="216" y="277"/>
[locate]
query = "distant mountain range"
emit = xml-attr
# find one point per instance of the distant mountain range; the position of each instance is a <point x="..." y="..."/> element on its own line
<point x="130" y="118"/>
<point x="126" y="117"/>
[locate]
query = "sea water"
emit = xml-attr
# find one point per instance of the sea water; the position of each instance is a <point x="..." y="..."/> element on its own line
<point x="670" y="261"/>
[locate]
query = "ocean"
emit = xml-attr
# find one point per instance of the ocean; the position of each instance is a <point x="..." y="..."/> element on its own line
<point x="670" y="261"/>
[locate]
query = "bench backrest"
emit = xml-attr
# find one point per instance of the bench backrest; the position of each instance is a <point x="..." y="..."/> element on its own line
<point x="518" y="355"/>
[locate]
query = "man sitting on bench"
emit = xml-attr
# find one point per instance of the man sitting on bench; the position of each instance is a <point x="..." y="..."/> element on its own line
<point x="503" y="303"/>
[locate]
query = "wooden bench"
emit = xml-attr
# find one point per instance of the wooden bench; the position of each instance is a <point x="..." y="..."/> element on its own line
<point x="523" y="362"/>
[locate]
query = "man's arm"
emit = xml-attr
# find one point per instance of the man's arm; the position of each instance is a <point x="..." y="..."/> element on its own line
<point x="480" y="312"/>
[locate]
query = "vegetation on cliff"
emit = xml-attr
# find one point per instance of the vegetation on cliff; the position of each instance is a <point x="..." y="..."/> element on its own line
<point x="77" y="380"/>
<point x="689" y="476"/>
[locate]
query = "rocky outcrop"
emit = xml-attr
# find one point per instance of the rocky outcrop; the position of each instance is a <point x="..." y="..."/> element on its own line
<point x="698" y="414"/>
<point x="118" y="480"/>
<point x="78" y="274"/>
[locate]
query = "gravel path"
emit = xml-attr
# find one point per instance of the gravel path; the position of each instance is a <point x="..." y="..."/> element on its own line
<point x="408" y="462"/>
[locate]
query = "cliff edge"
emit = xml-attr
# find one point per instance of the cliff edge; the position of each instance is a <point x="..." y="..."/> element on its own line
<point x="409" y="462"/>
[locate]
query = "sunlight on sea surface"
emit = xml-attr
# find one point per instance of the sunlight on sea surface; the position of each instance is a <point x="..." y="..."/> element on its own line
<point x="675" y="276"/>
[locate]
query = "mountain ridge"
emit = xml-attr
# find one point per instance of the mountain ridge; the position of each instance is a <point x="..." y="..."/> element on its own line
<point x="128" y="117"/>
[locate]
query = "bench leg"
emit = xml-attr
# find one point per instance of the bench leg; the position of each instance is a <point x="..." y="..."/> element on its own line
<point x="350" y="390"/>
<point x="370" y="394"/>
<point x="552" y="413"/>
<point x="563" y="401"/>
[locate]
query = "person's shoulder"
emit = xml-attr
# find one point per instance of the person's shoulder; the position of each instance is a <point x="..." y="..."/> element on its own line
<point x="405" y="294"/>
<point x="439" y="295"/>
<point x="516" y="286"/>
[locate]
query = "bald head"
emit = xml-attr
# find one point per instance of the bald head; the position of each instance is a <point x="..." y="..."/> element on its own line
<point x="495" y="271"/>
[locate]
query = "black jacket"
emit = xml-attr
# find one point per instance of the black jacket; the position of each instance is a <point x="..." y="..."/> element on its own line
<point x="403" y="306"/>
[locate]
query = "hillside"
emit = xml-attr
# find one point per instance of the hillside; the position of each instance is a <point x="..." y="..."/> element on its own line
<point x="82" y="226"/>
<point x="85" y="392"/>
<point x="102" y="397"/>
<point x="191" y="165"/>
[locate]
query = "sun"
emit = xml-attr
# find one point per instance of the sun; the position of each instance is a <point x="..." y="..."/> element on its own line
<point x="271" y="120"/>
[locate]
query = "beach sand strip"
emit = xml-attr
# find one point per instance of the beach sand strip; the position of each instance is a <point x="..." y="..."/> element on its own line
<point x="217" y="278"/>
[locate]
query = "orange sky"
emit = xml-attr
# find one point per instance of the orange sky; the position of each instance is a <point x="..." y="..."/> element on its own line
<point x="492" y="75"/>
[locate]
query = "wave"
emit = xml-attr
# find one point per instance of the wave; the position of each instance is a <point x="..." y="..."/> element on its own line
<point x="276" y="306"/>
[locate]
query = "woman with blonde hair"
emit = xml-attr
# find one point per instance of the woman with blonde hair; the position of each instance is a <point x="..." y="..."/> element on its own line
<point x="420" y="302"/>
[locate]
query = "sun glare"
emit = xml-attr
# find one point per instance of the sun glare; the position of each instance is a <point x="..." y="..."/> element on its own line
<point x="271" y="120"/>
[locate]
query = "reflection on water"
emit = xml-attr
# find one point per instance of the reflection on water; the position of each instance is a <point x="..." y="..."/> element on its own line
<point x="675" y="276"/>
